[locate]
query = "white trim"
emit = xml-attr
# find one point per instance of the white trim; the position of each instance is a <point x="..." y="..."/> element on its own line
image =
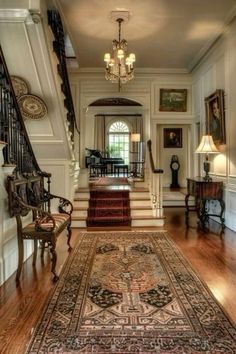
<point x="16" y="15"/>
<point x="43" y="142"/>
<point x="147" y="71"/>
<point x="211" y="42"/>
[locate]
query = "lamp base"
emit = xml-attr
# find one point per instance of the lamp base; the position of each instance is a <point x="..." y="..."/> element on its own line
<point x="206" y="167"/>
<point x="207" y="178"/>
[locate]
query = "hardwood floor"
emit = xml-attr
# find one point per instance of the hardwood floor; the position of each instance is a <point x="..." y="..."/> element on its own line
<point x="211" y="255"/>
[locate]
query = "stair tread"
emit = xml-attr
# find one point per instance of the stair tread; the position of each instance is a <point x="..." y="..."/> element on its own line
<point x="139" y="198"/>
<point x="80" y="208"/>
<point x="105" y="217"/>
<point x="78" y="218"/>
<point x="141" y="207"/>
<point x="81" y="199"/>
<point x="110" y="208"/>
<point x="146" y="217"/>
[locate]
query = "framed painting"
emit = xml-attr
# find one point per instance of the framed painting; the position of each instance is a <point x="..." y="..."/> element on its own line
<point x="172" y="137"/>
<point x="215" y="117"/>
<point x="173" y="100"/>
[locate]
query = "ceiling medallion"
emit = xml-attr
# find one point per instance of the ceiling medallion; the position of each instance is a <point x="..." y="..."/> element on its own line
<point x="119" y="68"/>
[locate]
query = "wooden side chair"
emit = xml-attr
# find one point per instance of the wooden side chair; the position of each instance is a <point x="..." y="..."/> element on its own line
<point x="28" y="195"/>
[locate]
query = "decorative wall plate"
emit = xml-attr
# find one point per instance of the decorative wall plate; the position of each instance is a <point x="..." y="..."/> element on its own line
<point x="32" y="107"/>
<point x="19" y="85"/>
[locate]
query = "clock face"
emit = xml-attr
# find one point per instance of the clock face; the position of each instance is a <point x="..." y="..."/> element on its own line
<point x="175" y="166"/>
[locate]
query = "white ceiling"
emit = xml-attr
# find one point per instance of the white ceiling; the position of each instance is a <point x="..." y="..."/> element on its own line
<point x="162" y="33"/>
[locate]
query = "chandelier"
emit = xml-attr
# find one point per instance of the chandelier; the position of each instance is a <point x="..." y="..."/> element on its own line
<point x="119" y="69"/>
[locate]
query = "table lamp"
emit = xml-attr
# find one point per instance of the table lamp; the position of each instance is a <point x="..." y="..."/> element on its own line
<point x="135" y="137"/>
<point x="207" y="146"/>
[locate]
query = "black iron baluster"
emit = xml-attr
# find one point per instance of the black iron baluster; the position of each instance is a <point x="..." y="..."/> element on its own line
<point x="12" y="129"/>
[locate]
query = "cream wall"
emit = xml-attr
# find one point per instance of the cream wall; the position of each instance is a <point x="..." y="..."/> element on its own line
<point x="90" y="86"/>
<point x="218" y="71"/>
<point x="27" y="47"/>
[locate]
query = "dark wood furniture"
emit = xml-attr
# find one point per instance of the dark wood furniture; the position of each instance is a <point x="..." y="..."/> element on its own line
<point x="174" y="166"/>
<point x="97" y="170"/>
<point x="118" y="168"/>
<point x="136" y="169"/>
<point x="205" y="192"/>
<point x="104" y="165"/>
<point x="110" y="162"/>
<point x="28" y="195"/>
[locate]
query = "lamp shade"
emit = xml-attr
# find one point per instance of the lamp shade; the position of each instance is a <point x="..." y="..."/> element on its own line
<point x="135" y="137"/>
<point x="207" y="146"/>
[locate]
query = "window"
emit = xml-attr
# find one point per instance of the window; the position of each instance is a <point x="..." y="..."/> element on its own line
<point x="119" y="141"/>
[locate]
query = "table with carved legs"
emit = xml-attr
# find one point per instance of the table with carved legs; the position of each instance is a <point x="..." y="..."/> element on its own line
<point x="205" y="192"/>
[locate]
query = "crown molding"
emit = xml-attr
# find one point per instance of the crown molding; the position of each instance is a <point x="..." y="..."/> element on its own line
<point x="16" y="15"/>
<point x="146" y="71"/>
<point x="208" y="46"/>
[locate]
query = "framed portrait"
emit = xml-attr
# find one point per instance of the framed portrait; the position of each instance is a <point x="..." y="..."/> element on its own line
<point x="172" y="137"/>
<point x="173" y="100"/>
<point x="215" y="117"/>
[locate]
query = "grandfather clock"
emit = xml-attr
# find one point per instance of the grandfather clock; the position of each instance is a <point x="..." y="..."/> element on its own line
<point x="174" y="166"/>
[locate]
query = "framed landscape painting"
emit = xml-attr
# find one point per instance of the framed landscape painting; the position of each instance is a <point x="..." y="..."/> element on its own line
<point x="215" y="116"/>
<point x="173" y="100"/>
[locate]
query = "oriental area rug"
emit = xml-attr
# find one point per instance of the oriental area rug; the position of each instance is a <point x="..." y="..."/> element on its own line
<point x="131" y="292"/>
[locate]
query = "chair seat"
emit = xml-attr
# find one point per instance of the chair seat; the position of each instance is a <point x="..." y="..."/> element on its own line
<point x="60" y="221"/>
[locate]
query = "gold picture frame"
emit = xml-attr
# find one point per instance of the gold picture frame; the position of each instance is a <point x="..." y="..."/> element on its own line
<point x="215" y="117"/>
<point x="173" y="100"/>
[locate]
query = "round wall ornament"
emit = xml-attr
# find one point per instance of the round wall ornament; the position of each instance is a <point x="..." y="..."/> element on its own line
<point x="19" y="85"/>
<point x="32" y="107"/>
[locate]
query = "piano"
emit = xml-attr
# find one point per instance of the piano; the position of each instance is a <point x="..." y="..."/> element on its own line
<point x="110" y="162"/>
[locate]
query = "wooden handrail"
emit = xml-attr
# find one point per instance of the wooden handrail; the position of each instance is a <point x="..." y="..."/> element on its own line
<point x="54" y="21"/>
<point x="154" y="170"/>
<point x="155" y="184"/>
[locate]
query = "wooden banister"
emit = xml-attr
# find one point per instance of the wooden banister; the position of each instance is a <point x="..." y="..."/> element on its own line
<point x="54" y="21"/>
<point x="154" y="170"/>
<point x="155" y="184"/>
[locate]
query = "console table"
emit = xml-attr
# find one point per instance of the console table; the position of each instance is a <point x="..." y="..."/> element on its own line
<point x="204" y="192"/>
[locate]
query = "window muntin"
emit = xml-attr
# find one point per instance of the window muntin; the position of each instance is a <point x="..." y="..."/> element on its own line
<point x="119" y="140"/>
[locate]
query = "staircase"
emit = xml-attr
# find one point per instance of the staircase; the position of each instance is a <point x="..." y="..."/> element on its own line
<point x="109" y="208"/>
<point x="141" y="211"/>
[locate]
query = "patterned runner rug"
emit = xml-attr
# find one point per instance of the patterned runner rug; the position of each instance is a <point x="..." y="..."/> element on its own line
<point x="108" y="208"/>
<point x="110" y="181"/>
<point x="131" y="292"/>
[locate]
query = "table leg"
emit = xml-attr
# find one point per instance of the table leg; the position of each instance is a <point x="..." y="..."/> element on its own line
<point x="222" y="206"/>
<point x="202" y="214"/>
<point x="187" y="209"/>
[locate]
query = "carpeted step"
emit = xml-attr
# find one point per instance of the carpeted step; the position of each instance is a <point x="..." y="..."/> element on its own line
<point x="111" y="221"/>
<point x="113" y="194"/>
<point x="109" y="208"/>
<point x="109" y="203"/>
<point x="108" y="212"/>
